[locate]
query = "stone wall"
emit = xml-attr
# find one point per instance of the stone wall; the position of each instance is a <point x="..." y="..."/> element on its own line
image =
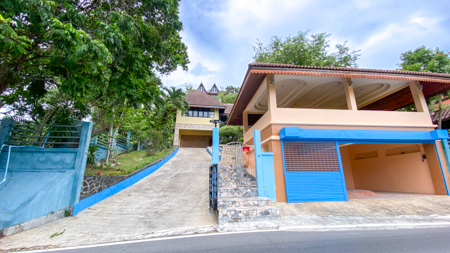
<point x="96" y="184"/>
<point x="194" y="126"/>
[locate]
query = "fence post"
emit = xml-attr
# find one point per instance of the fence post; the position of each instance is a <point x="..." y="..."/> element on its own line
<point x="128" y="140"/>
<point x="258" y="162"/>
<point x="80" y="161"/>
<point x="269" y="176"/>
<point x="215" y="146"/>
<point x="5" y="130"/>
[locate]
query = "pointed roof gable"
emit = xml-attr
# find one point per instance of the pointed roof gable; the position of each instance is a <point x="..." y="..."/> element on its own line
<point x="214" y="90"/>
<point x="198" y="98"/>
<point x="201" y="87"/>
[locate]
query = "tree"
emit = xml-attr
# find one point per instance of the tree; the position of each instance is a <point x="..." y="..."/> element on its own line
<point x="425" y="60"/>
<point x="428" y="60"/>
<point x="96" y="53"/>
<point x="227" y="95"/>
<point x="188" y="88"/>
<point x="176" y="97"/>
<point x="300" y="50"/>
<point x="230" y="132"/>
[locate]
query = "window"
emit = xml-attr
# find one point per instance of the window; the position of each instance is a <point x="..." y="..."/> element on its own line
<point x="200" y="112"/>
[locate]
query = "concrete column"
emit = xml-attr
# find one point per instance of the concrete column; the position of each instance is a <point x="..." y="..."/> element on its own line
<point x="350" y="94"/>
<point x="176" y="137"/>
<point x="271" y="94"/>
<point x="419" y="98"/>
<point x="245" y="121"/>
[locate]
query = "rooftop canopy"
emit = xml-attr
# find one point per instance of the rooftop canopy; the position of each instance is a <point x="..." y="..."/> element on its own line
<point x="321" y="87"/>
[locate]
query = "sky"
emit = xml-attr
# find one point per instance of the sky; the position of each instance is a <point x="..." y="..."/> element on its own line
<point x="220" y="35"/>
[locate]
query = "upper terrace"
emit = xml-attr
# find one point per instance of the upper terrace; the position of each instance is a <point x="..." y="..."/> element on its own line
<point x="334" y="97"/>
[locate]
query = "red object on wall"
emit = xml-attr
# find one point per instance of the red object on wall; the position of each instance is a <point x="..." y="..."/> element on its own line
<point x="246" y="149"/>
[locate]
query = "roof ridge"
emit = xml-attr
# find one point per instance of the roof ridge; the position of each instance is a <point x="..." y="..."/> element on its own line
<point x="284" y="65"/>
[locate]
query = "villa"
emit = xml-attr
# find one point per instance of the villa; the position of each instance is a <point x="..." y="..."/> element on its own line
<point x="333" y="129"/>
<point x="194" y="128"/>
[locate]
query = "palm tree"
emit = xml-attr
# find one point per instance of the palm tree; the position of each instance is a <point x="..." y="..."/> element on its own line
<point x="176" y="97"/>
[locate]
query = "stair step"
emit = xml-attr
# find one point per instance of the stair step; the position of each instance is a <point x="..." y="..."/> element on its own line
<point x="238" y="192"/>
<point x="228" y="203"/>
<point x="243" y="214"/>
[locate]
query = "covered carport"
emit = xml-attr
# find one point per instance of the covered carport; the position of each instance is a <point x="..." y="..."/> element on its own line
<point x="321" y="164"/>
<point x="190" y="138"/>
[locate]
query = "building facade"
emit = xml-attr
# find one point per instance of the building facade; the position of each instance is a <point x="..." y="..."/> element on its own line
<point x="194" y="128"/>
<point x="334" y="129"/>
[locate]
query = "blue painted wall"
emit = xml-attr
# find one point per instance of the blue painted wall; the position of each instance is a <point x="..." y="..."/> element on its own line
<point x="41" y="180"/>
<point x="215" y="146"/>
<point x="265" y="174"/>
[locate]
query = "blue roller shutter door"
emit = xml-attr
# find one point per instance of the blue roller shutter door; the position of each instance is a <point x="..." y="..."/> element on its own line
<point x="313" y="172"/>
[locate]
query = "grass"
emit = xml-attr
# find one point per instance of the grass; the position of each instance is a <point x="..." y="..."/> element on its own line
<point x="56" y="234"/>
<point x="130" y="162"/>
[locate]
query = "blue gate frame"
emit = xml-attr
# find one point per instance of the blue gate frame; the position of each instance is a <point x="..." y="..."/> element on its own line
<point x="296" y="134"/>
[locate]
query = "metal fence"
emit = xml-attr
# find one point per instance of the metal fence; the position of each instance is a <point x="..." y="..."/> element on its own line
<point x="44" y="136"/>
<point x="213" y="187"/>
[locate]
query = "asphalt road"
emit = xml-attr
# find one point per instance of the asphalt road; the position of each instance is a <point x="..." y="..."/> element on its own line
<point x="401" y="240"/>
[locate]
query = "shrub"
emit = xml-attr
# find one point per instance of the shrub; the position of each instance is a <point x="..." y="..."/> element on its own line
<point x="91" y="154"/>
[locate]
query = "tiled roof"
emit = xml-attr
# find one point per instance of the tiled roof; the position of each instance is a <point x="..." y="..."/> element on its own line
<point x="279" y="65"/>
<point x="445" y="116"/>
<point x="198" y="97"/>
<point x="228" y="108"/>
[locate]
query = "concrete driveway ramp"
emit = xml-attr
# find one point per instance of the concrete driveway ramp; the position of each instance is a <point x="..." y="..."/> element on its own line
<point x="175" y="197"/>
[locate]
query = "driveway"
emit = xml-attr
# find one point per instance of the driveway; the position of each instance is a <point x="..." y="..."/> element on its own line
<point x="175" y="197"/>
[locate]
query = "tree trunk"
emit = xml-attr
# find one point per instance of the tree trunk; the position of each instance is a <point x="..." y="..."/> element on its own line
<point x="108" y="149"/>
<point x="139" y="145"/>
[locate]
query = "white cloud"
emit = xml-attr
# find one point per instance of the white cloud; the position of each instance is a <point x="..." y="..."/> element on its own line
<point x="415" y="26"/>
<point x="252" y="18"/>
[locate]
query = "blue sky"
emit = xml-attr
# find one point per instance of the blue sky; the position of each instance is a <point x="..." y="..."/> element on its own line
<point x="220" y="35"/>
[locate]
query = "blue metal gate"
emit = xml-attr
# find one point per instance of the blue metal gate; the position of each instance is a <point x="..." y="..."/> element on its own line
<point x="313" y="171"/>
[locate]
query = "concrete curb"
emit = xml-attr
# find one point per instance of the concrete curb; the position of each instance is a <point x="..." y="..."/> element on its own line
<point x="251" y="227"/>
<point x="136" y="177"/>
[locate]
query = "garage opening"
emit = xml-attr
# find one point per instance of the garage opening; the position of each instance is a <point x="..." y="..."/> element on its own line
<point x="370" y="162"/>
<point x="314" y="172"/>
<point x="195" y="138"/>
<point x="391" y="170"/>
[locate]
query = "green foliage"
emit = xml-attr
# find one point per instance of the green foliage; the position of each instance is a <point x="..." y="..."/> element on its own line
<point x="227" y="98"/>
<point x="300" y="50"/>
<point x="96" y="55"/>
<point x="129" y="162"/>
<point x="226" y="140"/>
<point x="240" y="140"/>
<point x="228" y="95"/>
<point x="230" y="131"/>
<point x="189" y="88"/>
<point x="91" y="154"/>
<point x="425" y="60"/>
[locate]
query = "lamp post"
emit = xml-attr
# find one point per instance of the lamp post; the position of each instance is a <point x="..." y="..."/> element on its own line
<point x="216" y="121"/>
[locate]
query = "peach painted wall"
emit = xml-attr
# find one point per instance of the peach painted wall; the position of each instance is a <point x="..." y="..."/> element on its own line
<point x="280" y="186"/>
<point x="347" y="167"/>
<point x="400" y="173"/>
<point x="435" y="169"/>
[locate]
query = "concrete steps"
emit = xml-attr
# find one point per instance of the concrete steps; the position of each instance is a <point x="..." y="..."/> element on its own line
<point x="244" y="214"/>
<point x="238" y="192"/>
<point x="243" y="202"/>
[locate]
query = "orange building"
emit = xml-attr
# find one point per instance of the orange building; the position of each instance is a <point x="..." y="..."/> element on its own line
<point x="332" y="129"/>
